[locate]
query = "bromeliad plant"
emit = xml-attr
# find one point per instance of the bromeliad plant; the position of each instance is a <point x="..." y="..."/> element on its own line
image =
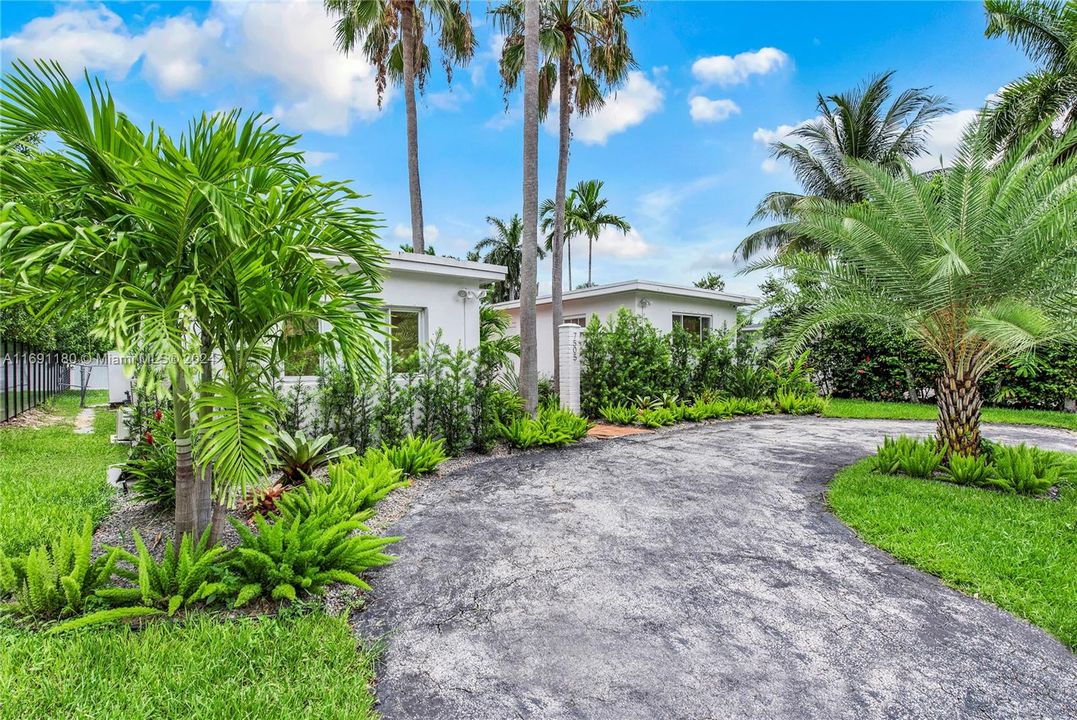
<point x="978" y="263"/>
<point x="298" y="456"/>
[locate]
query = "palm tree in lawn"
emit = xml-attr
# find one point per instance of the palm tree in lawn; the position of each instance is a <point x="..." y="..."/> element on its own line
<point x="977" y="264"/>
<point x="529" y="258"/>
<point x="505" y="247"/>
<point x="206" y="246"/>
<point x="855" y="124"/>
<point x="1047" y="33"/>
<point x="586" y="215"/>
<point x="391" y="34"/>
<point x="584" y="45"/>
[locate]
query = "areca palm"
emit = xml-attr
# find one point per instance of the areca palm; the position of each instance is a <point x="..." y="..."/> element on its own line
<point x="505" y="247"/>
<point x="977" y="264"/>
<point x="1047" y="33"/>
<point x="586" y="215"/>
<point x="391" y="34"/>
<point x="585" y="49"/>
<point x="205" y="246"/>
<point x="855" y="124"/>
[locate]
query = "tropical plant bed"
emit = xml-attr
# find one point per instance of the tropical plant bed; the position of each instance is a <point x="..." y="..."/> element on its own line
<point x="1016" y="551"/>
<point x="871" y="409"/>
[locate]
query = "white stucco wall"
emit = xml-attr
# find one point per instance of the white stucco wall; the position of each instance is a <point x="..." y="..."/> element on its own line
<point x="441" y="307"/>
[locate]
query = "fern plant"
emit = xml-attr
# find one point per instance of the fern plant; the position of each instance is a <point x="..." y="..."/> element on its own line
<point x="657" y="417"/>
<point x="1022" y="470"/>
<point x="355" y="486"/>
<point x="967" y="470"/>
<point x="190" y="573"/>
<point x="921" y="458"/>
<point x="887" y="458"/>
<point x="792" y="402"/>
<point x="286" y="560"/>
<point x="619" y="414"/>
<point x="59" y="579"/>
<point x="412" y="456"/>
<point x="552" y="427"/>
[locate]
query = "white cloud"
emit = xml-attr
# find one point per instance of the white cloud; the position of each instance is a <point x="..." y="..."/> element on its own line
<point x="179" y="53"/>
<point x="736" y="69"/>
<point x="946" y="132"/>
<point x="449" y="100"/>
<point x="403" y="232"/>
<point x="705" y="110"/>
<point x="314" y="158"/>
<point x="613" y="243"/>
<point x="293" y="43"/>
<point x="626" y="107"/>
<point x="766" y="136"/>
<point x="769" y="165"/>
<point x="77" y="38"/>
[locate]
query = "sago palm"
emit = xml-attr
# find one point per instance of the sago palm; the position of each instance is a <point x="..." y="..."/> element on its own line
<point x="585" y="50"/>
<point x="855" y="124"/>
<point x="1047" y="33"/>
<point x="504" y="247"/>
<point x="202" y="247"/>
<point x="977" y="264"/>
<point x="391" y="34"/>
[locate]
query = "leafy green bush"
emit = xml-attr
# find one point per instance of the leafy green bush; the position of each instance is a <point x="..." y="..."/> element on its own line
<point x="622" y="360"/>
<point x="299" y="456"/>
<point x="59" y="579"/>
<point x="1023" y="470"/>
<point x="749" y="382"/>
<point x="412" y="456"/>
<point x="355" y="486"/>
<point x="153" y="470"/>
<point x="967" y="470"/>
<point x="747" y="406"/>
<point x="619" y="414"/>
<point x="523" y="433"/>
<point x="286" y="560"/>
<point x="887" y="457"/>
<point x="657" y="417"/>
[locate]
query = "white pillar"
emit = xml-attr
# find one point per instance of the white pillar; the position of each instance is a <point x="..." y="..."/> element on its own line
<point x="570" y="346"/>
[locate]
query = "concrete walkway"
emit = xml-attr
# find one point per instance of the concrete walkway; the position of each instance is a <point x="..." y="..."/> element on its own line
<point x="694" y="573"/>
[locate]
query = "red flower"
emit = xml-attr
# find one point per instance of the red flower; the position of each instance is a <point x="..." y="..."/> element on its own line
<point x="860" y="370"/>
<point x="157" y="415"/>
<point x="149" y="437"/>
<point x="867" y="358"/>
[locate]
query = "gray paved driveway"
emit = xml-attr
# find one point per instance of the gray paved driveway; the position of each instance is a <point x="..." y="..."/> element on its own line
<point x="689" y="574"/>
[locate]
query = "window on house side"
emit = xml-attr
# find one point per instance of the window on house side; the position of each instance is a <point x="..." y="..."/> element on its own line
<point x="404" y="337"/>
<point x="306" y="361"/>
<point x="698" y="325"/>
<point x="578" y="320"/>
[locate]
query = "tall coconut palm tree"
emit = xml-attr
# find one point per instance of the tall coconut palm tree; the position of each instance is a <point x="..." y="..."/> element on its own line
<point x="586" y="215"/>
<point x="585" y="50"/>
<point x="548" y="213"/>
<point x="391" y="34"/>
<point x="529" y="259"/>
<point x="505" y="247"/>
<point x="977" y="264"/>
<point x="854" y="124"/>
<point x="1046" y="30"/>
<point x="203" y="247"/>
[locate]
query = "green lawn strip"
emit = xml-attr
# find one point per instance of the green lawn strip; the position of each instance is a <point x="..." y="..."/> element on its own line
<point x="1018" y="552"/>
<point x="203" y="667"/>
<point x="51" y="478"/>
<point x="867" y="409"/>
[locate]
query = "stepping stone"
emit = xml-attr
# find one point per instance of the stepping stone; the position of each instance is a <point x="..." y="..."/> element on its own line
<point x="84" y="422"/>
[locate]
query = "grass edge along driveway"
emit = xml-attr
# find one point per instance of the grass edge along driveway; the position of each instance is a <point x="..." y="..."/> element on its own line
<point x="871" y="409"/>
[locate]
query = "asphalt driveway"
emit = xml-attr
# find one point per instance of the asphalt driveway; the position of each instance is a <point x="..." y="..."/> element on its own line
<point x="689" y="574"/>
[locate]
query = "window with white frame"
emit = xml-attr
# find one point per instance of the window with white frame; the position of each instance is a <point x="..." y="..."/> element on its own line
<point x="698" y="325"/>
<point x="405" y="334"/>
<point x="305" y="361"/>
<point x="580" y="320"/>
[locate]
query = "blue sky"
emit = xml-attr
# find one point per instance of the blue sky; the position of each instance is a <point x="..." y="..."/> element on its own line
<point x="681" y="148"/>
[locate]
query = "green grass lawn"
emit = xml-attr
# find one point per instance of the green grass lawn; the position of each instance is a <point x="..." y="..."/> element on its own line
<point x="51" y="478"/>
<point x="1018" y="552"/>
<point x="844" y="408"/>
<point x="206" y="668"/>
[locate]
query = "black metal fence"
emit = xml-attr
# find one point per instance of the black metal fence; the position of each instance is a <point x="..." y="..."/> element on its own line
<point x="27" y="378"/>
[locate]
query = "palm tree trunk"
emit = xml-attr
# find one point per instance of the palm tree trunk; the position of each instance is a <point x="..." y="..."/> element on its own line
<point x="203" y="481"/>
<point x="529" y="259"/>
<point x="407" y="29"/>
<point x="185" y="485"/>
<point x="959" y="401"/>
<point x="590" y="254"/>
<point x="564" y="83"/>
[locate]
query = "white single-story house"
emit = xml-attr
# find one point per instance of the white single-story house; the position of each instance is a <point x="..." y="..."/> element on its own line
<point x="663" y="304"/>
<point x="422" y="294"/>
